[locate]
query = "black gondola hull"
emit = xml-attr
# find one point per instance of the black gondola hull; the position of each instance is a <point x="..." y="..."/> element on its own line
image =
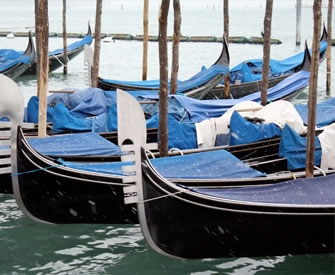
<point x="236" y="90"/>
<point x="20" y="68"/>
<point x="56" y="194"/>
<point x="184" y="226"/>
<point x="57" y="61"/>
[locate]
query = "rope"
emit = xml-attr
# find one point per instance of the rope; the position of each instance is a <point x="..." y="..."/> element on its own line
<point x="321" y="170"/>
<point x="36" y="170"/>
<point x="184" y="115"/>
<point x="151" y="153"/>
<point x="176" y="150"/>
<point x="61" y="61"/>
<point x="293" y="176"/>
<point x="161" y="197"/>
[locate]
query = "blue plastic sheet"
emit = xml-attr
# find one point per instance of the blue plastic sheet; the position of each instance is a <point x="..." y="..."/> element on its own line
<point x="293" y="148"/>
<point x="141" y="83"/>
<point x="325" y="112"/>
<point x="201" y="78"/>
<point x="64" y="121"/>
<point x="195" y="81"/>
<point x="71" y="109"/>
<point x="86" y="40"/>
<point x="80" y="144"/>
<point x="31" y="112"/>
<point x="251" y="70"/>
<point x="244" y="132"/>
<point x="306" y="191"/>
<point x="200" y="110"/>
<point x="204" y="165"/>
<point x="9" y="58"/>
<point x="83" y="103"/>
<point x="181" y="135"/>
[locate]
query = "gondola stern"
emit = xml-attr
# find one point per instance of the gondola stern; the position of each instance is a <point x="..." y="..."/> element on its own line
<point x="306" y="64"/>
<point x="30" y="51"/>
<point x="324" y="35"/>
<point x="137" y="194"/>
<point x="132" y="140"/>
<point x="224" y="58"/>
<point x="324" y="38"/>
<point x="12" y="107"/>
<point x="89" y="31"/>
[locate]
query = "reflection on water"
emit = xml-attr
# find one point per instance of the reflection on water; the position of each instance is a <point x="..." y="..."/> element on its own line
<point x="31" y="247"/>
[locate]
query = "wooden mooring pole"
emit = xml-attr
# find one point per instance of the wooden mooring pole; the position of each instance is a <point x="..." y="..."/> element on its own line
<point x="298" y="23"/>
<point x="313" y="84"/>
<point x="226" y="89"/>
<point x="64" y="38"/>
<point x="145" y="39"/>
<point x="43" y="70"/>
<point x="266" y="51"/>
<point x="97" y="44"/>
<point x="164" y="75"/>
<point x="175" y="46"/>
<point x="329" y="46"/>
<point x="226" y="19"/>
<point x="37" y="43"/>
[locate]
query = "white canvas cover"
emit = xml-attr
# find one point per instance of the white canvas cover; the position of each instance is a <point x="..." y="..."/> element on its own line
<point x="279" y="112"/>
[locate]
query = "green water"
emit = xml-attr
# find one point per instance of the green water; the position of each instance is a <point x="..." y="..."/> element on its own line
<point x="28" y="247"/>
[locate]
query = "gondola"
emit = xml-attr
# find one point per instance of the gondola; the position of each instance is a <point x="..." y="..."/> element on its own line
<point x="56" y="57"/>
<point x="13" y="63"/>
<point x="197" y="86"/>
<point x="239" y="87"/>
<point x="76" y="192"/>
<point x="184" y="109"/>
<point x="89" y="193"/>
<point x="288" y="218"/>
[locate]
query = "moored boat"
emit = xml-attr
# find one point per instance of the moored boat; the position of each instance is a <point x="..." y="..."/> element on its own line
<point x="56" y="57"/>
<point x="86" y="192"/>
<point x="196" y="86"/>
<point x="14" y="63"/>
<point x="245" y="78"/>
<point x="292" y="217"/>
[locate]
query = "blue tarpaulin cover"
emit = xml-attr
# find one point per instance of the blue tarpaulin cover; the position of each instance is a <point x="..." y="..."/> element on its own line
<point x="196" y="110"/>
<point x="79" y="144"/>
<point x="86" y="40"/>
<point x="325" y="112"/>
<point x="197" y="80"/>
<point x="204" y="165"/>
<point x="306" y="191"/>
<point x="243" y="131"/>
<point x="70" y="111"/>
<point x="200" y="110"/>
<point x="62" y="120"/>
<point x="293" y="148"/>
<point x="139" y="83"/>
<point x="83" y="103"/>
<point x="181" y="135"/>
<point x="31" y="112"/>
<point x="251" y="70"/>
<point x="9" y="58"/>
